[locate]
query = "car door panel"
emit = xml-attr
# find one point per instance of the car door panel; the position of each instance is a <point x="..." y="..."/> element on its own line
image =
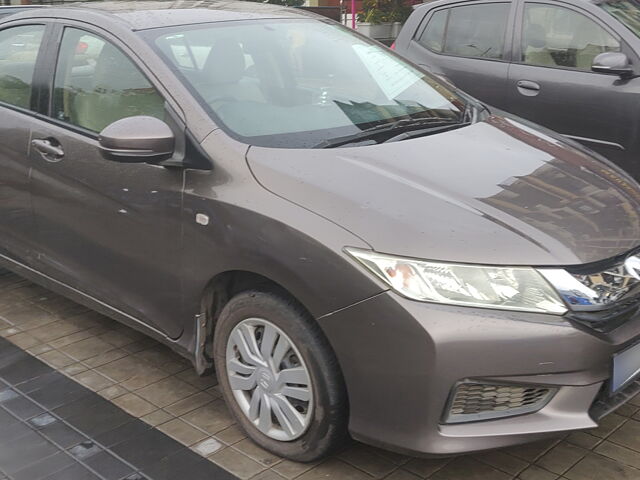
<point x="599" y="110"/>
<point x="482" y="79"/>
<point x="484" y="76"/>
<point x="17" y="232"/>
<point x="110" y="230"/>
<point x="20" y="47"/>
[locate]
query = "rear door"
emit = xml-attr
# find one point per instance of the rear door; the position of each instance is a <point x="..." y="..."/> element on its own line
<point x="468" y="44"/>
<point x="110" y="230"/>
<point x="20" y="47"/>
<point x="551" y="82"/>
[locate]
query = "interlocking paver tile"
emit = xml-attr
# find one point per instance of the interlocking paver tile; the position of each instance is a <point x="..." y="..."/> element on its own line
<point x="55" y="330"/>
<point x="628" y="435"/>
<point x="533" y="472"/>
<point x="561" y="457"/>
<point x="183" y="432"/>
<point x="258" y="454"/>
<point x="105" y="358"/>
<point x="597" y="467"/>
<point x="425" y="467"/>
<point x="93" y="380"/>
<point x="189" y="404"/>
<point x="363" y="458"/>
<point x="502" y="461"/>
<point x="619" y="453"/>
<point x="583" y="439"/>
<point x="157" y="418"/>
<point x="44" y="467"/>
<point x="238" y="464"/>
<point x="112" y="392"/>
<point x="56" y="359"/>
<point x="87" y="348"/>
<point x="134" y="405"/>
<point x="212" y="418"/>
<point x="268" y="475"/>
<point x="231" y="435"/>
<point x="334" y="469"/>
<point x="608" y="425"/>
<point x="207" y="447"/>
<point x="24" y="340"/>
<point x="467" y="468"/>
<point x="167" y="391"/>
<point x="290" y="469"/>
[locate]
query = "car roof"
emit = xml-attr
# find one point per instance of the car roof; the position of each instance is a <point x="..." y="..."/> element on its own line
<point x="145" y="14"/>
<point x="429" y="2"/>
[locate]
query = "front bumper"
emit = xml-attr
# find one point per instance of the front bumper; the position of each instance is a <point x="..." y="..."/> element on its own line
<point x="401" y="359"/>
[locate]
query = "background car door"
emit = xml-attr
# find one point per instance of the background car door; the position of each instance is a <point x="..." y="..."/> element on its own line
<point x="111" y="230"/>
<point x="551" y="82"/>
<point x="468" y="45"/>
<point x="19" y="48"/>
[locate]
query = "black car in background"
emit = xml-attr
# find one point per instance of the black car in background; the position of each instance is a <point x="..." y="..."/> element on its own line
<point x="570" y="65"/>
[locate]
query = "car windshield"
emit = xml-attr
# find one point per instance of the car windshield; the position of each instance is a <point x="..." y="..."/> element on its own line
<point x="627" y="11"/>
<point x="296" y="83"/>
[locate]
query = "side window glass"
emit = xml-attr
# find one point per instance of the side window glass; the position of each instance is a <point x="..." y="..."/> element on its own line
<point x="433" y="35"/>
<point x="96" y="84"/>
<point x="19" y="48"/>
<point x="559" y="37"/>
<point x="477" y="30"/>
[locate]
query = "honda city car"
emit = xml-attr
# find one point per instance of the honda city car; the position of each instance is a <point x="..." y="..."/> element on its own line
<point x="354" y="246"/>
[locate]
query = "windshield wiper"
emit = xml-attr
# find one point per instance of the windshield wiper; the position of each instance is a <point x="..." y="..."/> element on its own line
<point x="385" y="130"/>
<point x="426" y="131"/>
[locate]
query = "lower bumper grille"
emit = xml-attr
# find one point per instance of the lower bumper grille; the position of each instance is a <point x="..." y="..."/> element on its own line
<point x="605" y="403"/>
<point x="483" y="401"/>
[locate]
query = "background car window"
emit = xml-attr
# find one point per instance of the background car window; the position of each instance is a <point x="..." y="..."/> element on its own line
<point x="433" y="35"/>
<point x="627" y="11"/>
<point x="477" y="30"/>
<point x="96" y="84"/>
<point x="559" y="37"/>
<point x="19" y="48"/>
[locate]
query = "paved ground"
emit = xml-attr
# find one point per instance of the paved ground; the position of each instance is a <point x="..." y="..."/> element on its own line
<point x="53" y="428"/>
<point x="151" y="383"/>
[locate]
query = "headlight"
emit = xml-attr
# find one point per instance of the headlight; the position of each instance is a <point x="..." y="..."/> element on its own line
<point x="507" y="288"/>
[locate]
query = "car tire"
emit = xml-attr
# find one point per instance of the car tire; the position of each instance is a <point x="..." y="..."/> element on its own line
<point x="320" y="425"/>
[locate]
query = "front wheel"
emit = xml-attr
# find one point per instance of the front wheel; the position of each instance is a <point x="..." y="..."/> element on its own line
<point x="280" y="377"/>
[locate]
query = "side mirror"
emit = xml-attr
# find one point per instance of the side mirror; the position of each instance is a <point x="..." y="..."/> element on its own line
<point x="137" y="140"/>
<point x="614" y="63"/>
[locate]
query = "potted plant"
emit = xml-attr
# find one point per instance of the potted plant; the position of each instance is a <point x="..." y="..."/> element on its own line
<point x="373" y="21"/>
<point x="400" y="12"/>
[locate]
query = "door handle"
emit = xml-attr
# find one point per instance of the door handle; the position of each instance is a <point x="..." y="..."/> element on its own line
<point x="49" y="148"/>
<point x="528" y="88"/>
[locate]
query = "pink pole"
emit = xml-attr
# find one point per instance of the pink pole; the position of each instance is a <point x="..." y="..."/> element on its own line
<point x="353" y="14"/>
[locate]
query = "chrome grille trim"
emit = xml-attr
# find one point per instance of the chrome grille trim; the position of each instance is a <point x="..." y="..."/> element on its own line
<point x="597" y="290"/>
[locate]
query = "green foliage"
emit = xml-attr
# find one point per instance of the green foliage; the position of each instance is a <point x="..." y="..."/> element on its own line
<point x="381" y="11"/>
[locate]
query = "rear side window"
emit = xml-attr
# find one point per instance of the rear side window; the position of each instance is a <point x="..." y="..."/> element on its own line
<point x="433" y="35"/>
<point x="560" y="37"/>
<point x="19" y="47"/>
<point x="96" y="84"/>
<point x="469" y="31"/>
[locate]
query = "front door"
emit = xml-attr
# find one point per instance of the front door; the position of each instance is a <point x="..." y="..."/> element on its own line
<point x="552" y="84"/>
<point x="19" y="47"/>
<point x="110" y="230"/>
<point x="469" y="45"/>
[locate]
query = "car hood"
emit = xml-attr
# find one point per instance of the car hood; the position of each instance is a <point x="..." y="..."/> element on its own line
<point x="497" y="192"/>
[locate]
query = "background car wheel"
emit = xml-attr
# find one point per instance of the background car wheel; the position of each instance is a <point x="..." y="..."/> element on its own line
<point x="280" y="377"/>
